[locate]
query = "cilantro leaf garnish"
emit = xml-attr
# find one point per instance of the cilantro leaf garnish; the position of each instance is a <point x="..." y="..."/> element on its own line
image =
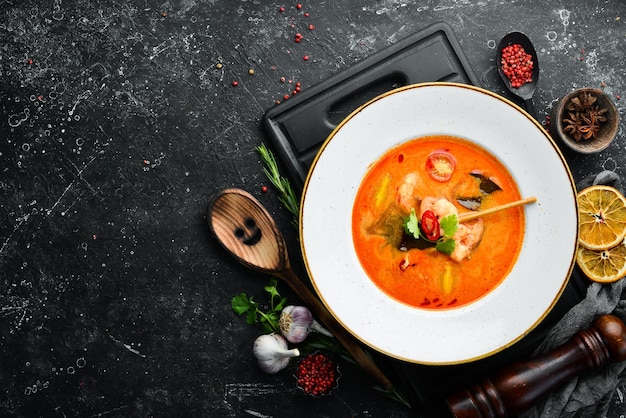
<point x="411" y="225"/>
<point x="241" y="304"/>
<point x="244" y="304"/>
<point x="449" y="224"/>
<point x="446" y="246"/>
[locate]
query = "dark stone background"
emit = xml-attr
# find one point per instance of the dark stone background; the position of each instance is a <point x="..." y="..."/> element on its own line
<point x="116" y="129"/>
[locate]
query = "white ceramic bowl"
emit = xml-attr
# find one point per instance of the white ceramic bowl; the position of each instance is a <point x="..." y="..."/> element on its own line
<point x="508" y="312"/>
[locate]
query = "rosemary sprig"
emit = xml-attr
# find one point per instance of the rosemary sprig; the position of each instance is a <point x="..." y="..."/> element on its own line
<point x="287" y="195"/>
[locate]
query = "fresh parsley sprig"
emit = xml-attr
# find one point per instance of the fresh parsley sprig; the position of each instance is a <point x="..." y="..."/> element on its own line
<point x="287" y="195"/>
<point x="244" y="304"/>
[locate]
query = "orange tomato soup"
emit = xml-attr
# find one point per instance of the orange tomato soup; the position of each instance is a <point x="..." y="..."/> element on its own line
<point x="425" y="277"/>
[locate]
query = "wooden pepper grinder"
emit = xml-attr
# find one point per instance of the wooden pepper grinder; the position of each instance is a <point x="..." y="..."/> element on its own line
<point x="517" y="387"/>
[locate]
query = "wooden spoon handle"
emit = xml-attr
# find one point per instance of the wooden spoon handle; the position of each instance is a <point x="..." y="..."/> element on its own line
<point x="339" y="332"/>
<point x="468" y="216"/>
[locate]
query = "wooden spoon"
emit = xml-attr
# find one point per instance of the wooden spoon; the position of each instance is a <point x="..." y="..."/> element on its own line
<point x="246" y="229"/>
<point x="468" y="216"/>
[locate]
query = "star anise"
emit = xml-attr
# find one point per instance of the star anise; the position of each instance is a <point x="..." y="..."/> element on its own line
<point x="590" y="128"/>
<point x="573" y="125"/>
<point x="584" y="101"/>
<point x="598" y="113"/>
<point x="585" y="117"/>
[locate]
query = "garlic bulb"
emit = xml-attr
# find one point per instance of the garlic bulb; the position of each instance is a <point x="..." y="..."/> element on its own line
<point x="271" y="352"/>
<point x="296" y="322"/>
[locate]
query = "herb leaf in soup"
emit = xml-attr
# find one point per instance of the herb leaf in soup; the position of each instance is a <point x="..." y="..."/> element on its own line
<point x="487" y="185"/>
<point x="390" y="226"/>
<point x="471" y="203"/>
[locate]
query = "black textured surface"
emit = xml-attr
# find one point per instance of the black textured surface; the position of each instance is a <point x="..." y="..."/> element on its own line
<point x="117" y="127"/>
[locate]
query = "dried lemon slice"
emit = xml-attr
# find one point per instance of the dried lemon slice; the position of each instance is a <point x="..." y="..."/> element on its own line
<point x="603" y="266"/>
<point x="601" y="217"/>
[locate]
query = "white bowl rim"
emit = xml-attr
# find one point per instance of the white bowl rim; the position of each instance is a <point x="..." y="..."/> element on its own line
<point x="548" y="302"/>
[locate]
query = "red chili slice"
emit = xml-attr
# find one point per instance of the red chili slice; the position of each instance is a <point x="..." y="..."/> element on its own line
<point x="440" y="165"/>
<point x="430" y="226"/>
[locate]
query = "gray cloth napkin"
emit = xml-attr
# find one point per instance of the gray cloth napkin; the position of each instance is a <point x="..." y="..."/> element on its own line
<point x="588" y="395"/>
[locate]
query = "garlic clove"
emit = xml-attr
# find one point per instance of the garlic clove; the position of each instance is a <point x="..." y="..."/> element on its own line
<point x="272" y="353"/>
<point x="296" y="322"/>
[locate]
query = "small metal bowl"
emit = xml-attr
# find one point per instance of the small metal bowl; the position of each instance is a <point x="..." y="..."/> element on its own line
<point x="608" y="129"/>
<point x="331" y="367"/>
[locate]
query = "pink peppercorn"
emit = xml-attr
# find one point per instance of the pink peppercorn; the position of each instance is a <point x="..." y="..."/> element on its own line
<point x="517" y="65"/>
<point x="316" y="374"/>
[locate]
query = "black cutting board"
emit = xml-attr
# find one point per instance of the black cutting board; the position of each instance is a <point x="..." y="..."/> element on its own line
<point x="298" y="127"/>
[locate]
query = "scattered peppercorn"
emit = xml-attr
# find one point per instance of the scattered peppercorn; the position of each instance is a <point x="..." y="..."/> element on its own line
<point x="311" y="27"/>
<point x="305" y="58"/>
<point x="251" y="71"/>
<point x="306" y="14"/>
<point x="299" y="6"/>
<point x="281" y="9"/>
<point x="264" y="189"/>
<point x="316" y="374"/>
<point x="298" y="37"/>
<point x="235" y="83"/>
<point x="163" y="14"/>
<point x="30" y="62"/>
<point x="517" y="65"/>
<point x="286" y="97"/>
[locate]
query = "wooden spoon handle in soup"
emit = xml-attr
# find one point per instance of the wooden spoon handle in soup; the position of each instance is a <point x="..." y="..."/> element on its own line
<point x="517" y="387"/>
<point x="468" y="216"/>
